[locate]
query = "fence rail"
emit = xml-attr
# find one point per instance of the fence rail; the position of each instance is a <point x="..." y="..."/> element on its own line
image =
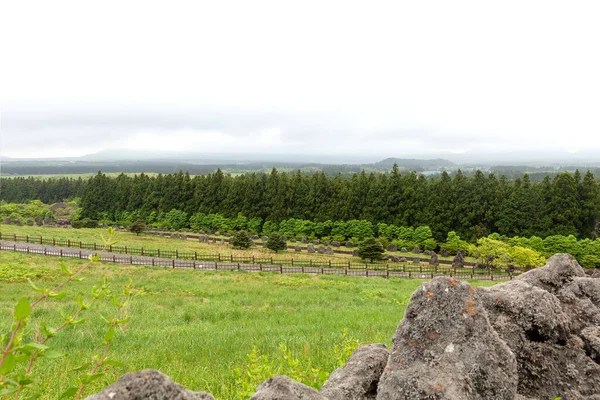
<point x="193" y="260"/>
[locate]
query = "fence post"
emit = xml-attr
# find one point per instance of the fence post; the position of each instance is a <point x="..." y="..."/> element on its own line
<point x="27" y="238"/>
<point x="53" y="242"/>
<point x="158" y="253"/>
<point x="41" y="240"/>
<point x="125" y="249"/>
<point x="231" y="257"/>
<point x="387" y="271"/>
<point x="131" y="260"/>
<point x="45" y="250"/>
<point x="176" y="253"/>
<point x="27" y="249"/>
<point x="253" y="260"/>
<point x="95" y="246"/>
<point x="219" y="257"/>
<point x="114" y="258"/>
<point x="110" y="248"/>
<point x="153" y="262"/>
<point x="292" y="261"/>
<point x="173" y="260"/>
<point x="61" y="252"/>
<point x="329" y="263"/>
<point x="271" y="260"/>
<point x="238" y="266"/>
<point x="80" y="254"/>
<point x="142" y="251"/>
<point x="14" y="237"/>
<point x="260" y="267"/>
<point x="80" y="245"/>
<point x="281" y="269"/>
<point x="69" y="243"/>
<point x="195" y="257"/>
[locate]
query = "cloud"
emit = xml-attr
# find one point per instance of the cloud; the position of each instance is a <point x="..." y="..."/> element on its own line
<point x="390" y="78"/>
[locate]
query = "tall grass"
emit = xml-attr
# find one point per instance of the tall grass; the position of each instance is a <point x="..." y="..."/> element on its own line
<point x="208" y="329"/>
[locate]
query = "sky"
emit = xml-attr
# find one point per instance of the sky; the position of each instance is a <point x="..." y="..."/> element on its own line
<point x="381" y="78"/>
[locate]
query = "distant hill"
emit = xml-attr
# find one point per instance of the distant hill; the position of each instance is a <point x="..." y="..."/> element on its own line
<point x="414" y="163"/>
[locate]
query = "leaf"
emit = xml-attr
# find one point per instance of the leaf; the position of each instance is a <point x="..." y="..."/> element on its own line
<point x="22" y="310"/>
<point x="90" y="378"/>
<point x="34" y="287"/>
<point x="82" y="367"/>
<point x="8" y="364"/>
<point x="52" y="354"/>
<point x="35" y="346"/>
<point x="47" y="331"/>
<point x="116" y="302"/>
<point x="110" y="334"/>
<point x="64" y="269"/>
<point x="6" y="391"/>
<point x="81" y="303"/>
<point x="57" y="296"/>
<point x="113" y="362"/>
<point x="78" y="321"/>
<point x="70" y="392"/>
<point x="25" y="381"/>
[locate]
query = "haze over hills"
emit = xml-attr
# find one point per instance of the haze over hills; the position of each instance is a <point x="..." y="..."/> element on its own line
<point x="135" y="161"/>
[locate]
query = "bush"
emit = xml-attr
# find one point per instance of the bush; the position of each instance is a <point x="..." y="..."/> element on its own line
<point x="242" y="240"/>
<point x="85" y="223"/>
<point x="590" y="261"/>
<point x="371" y="249"/>
<point x="275" y="242"/>
<point x="137" y="227"/>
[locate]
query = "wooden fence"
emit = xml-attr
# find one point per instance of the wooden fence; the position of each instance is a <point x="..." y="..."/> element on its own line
<point x="193" y="260"/>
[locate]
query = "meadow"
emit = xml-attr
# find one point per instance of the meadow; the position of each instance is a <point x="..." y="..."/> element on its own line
<point x="222" y="332"/>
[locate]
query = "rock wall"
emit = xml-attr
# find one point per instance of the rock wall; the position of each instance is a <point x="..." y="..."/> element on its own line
<point x="535" y="337"/>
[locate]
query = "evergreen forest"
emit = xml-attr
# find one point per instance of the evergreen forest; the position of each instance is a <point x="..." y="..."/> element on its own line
<point x="472" y="206"/>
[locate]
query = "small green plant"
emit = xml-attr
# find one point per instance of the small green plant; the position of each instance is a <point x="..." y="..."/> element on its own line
<point x="137" y="227"/>
<point x="241" y="240"/>
<point x="275" y="242"/>
<point x="371" y="249"/>
<point x="20" y="348"/>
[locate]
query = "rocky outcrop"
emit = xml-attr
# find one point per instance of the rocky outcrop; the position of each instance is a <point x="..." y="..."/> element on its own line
<point x="548" y="318"/>
<point x="283" y="388"/>
<point x="359" y="378"/>
<point x="148" y="384"/>
<point x="535" y="337"/>
<point x="446" y="348"/>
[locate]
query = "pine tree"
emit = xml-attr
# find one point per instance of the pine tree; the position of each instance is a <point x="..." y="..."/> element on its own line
<point x="241" y="240"/>
<point x="275" y="242"/>
<point x="371" y="249"/>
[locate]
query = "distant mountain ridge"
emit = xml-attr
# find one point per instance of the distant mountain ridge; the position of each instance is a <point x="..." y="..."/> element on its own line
<point x="415" y="163"/>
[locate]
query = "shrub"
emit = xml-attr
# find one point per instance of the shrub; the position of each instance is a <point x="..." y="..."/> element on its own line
<point x="371" y="249"/>
<point x="242" y="240"/>
<point x="137" y="227"/>
<point x="275" y="242"/>
<point x="85" y="223"/>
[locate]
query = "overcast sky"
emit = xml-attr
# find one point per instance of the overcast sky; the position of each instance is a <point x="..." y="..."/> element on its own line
<point x="330" y="77"/>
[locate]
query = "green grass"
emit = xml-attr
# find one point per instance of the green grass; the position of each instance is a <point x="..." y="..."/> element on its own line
<point x="200" y="327"/>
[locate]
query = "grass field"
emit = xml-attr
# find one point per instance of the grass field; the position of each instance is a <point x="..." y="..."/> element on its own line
<point x="164" y="243"/>
<point x="221" y="332"/>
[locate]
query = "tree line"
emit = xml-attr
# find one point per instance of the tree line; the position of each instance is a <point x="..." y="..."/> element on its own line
<point x="473" y="206"/>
